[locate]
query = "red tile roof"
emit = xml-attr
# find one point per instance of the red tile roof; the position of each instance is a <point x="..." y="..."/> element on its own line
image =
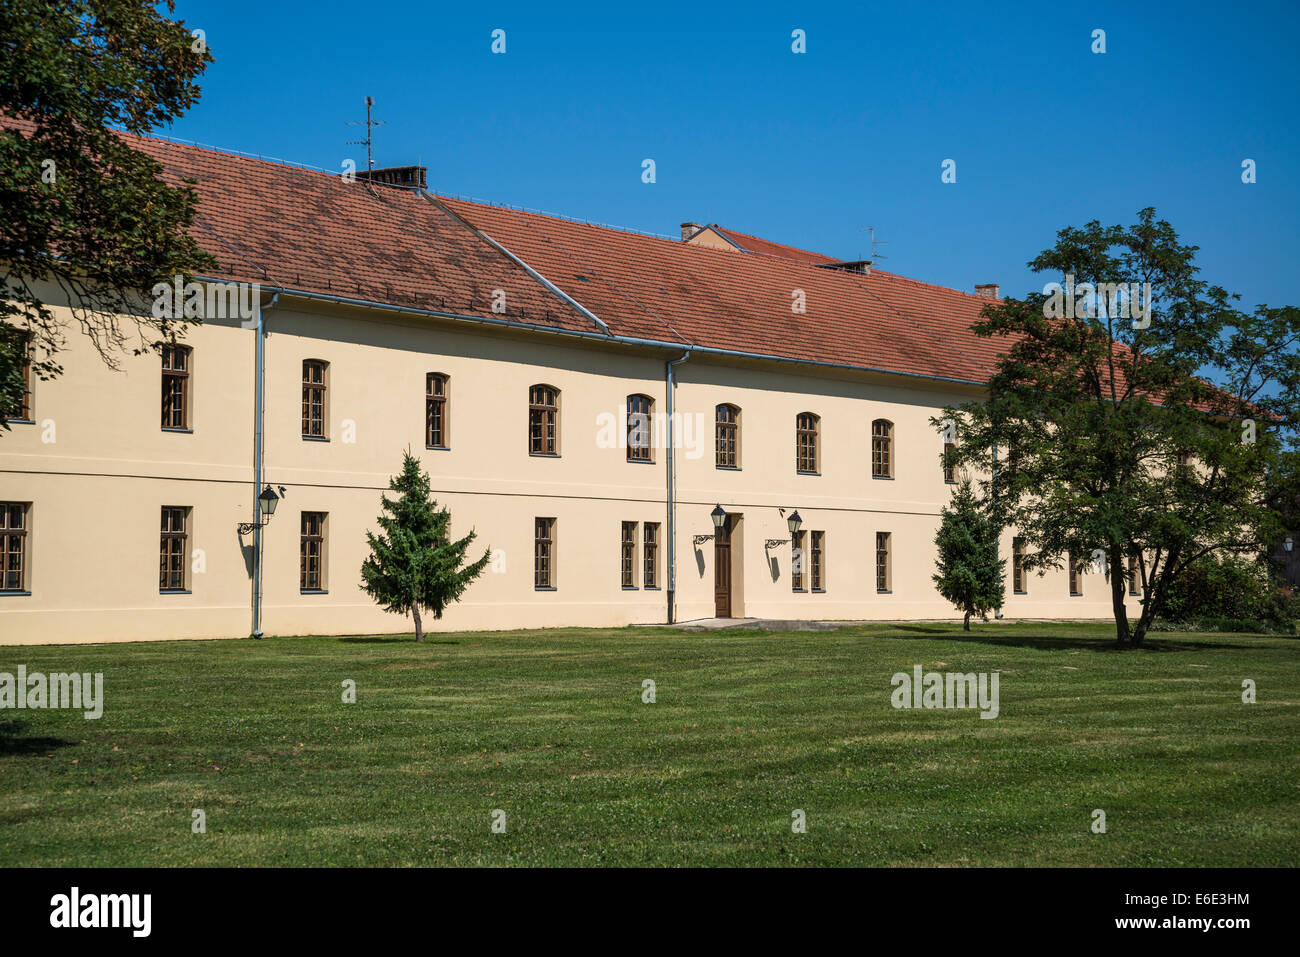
<point x="300" y="229"/>
<point x="310" y="231"/>
<point x="756" y="244"/>
<point x="709" y="296"/>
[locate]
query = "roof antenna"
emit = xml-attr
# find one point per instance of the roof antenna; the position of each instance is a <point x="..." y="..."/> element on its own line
<point x="874" y="243"/>
<point x="370" y="163"/>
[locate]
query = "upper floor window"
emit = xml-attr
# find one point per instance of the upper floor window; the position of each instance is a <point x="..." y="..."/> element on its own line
<point x="639" y="410"/>
<point x="23" y="412"/>
<point x="544" y="420"/>
<point x="727" y="436"/>
<point x="949" y="468"/>
<point x="435" y="410"/>
<point x="882" y="449"/>
<point x="314" y="383"/>
<point x="807" y="428"/>
<point x="172" y="552"/>
<point x="13" y="546"/>
<point x="176" y="387"/>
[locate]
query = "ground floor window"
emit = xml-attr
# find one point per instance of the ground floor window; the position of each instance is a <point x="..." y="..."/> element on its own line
<point x="1018" y="566"/>
<point x="311" y="552"/>
<point x="1133" y="575"/>
<point x="544" y="553"/>
<point x="796" y="561"/>
<point x="627" y="554"/>
<point x="884" y="574"/>
<point x="13" y="546"/>
<point x="1076" y="586"/>
<point x="172" y="551"/>
<point x="817" y="561"/>
<point x="650" y="548"/>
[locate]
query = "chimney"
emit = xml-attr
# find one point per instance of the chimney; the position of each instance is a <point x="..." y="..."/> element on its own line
<point x="689" y="230"/>
<point x="407" y="177"/>
<point x="989" y="290"/>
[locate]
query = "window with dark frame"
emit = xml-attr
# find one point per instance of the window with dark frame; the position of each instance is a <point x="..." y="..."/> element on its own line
<point x="176" y="387"/>
<point x="883" y="576"/>
<point x="543" y="420"/>
<point x="882" y="449"/>
<point x="817" y="571"/>
<point x="1133" y="576"/>
<point x="727" y="436"/>
<point x="805" y="453"/>
<point x="544" y="553"/>
<point x="639" y="410"/>
<point x="1075" y="588"/>
<point x="172" y="564"/>
<point x="13" y="546"/>
<point x="797" y="559"/>
<point x="435" y="411"/>
<point x="627" y="554"/>
<point x="313" y="399"/>
<point x="311" y="552"/>
<point x="650" y="549"/>
<point x="1018" y="566"/>
<point x="949" y="470"/>
<point x="24" y="411"/>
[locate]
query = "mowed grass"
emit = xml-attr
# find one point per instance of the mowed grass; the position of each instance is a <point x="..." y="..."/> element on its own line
<point x="550" y="727"/>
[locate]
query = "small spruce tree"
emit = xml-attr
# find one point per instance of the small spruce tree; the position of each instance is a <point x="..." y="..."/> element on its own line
<point x="412" y="563"/>
<point x="970" y="573"/>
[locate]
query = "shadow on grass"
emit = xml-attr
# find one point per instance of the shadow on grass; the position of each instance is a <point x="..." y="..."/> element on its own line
<point x="394" y="640"/>
<point x="1153" y="643"/>
<point x="11" y="742"/>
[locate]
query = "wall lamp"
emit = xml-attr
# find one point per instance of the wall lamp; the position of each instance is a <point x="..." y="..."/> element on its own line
<point x="269" y="501"/>
<point x="719" y="516"/>
<point x="794" y="522"/>
<point x="1288" y="544"/>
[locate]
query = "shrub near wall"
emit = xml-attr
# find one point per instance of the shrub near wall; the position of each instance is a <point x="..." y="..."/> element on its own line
<point x="1230" y="594"/>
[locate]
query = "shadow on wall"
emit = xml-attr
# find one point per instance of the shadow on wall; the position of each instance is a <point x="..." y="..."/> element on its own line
<point x="699" y="560"/>
<point x="774" y="567"/>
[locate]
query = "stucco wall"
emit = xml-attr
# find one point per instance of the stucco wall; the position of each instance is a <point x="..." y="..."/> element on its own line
<point x="97" y="468"/>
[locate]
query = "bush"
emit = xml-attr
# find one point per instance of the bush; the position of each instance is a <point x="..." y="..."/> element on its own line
<point x="1230" y="590"/>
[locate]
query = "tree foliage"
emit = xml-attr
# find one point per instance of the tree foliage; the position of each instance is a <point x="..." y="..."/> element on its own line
<point x="413" y="564"/>
<point x="84" y="218"/>
<point x="970" y="574"/>
<point x="1165" y="436"/>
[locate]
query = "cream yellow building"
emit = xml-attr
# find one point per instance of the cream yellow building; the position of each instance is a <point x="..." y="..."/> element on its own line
<point x="506" y="350"/>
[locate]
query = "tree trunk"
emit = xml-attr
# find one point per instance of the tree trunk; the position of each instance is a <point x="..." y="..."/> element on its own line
<point x="1118" y="579"/>
<point x="966" y="624"/>
<point x="419" y="630"/>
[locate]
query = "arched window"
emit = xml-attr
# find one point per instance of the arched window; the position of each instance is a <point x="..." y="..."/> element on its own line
<point x="314" y="383"/>
<point x="727" y="436"/>
<point x="640" y="408"/>
<point x="807" y="427"/>
<point x="435" y="410"/>
<point x="544" y="420"/>
<point x="882" y="449"/>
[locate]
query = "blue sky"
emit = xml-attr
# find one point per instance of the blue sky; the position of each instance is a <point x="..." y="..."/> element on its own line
<point x="806" y="149"/>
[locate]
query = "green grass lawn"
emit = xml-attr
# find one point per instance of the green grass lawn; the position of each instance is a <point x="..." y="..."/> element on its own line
<point x="549" y="726"/>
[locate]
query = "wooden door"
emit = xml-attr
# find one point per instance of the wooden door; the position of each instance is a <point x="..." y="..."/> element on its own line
<point x="722" y="570"/>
